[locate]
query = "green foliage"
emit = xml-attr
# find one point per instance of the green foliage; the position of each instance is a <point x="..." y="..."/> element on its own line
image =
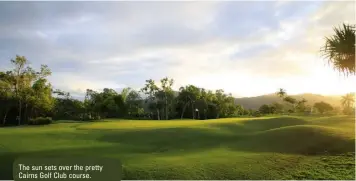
<point x="348" y="103"/>
<point x="69" y="108"/>
<point x="153" y="94"/>
<point x="24" y="93"/>
<point x="265" y="109"/>
<point x="297" y="106"/>
<point x="256" y="114"/>
<point x="271" y="109"/>
<point x="277" y="107"/>
<point x="301" y="107"/>
<point x="134" y="104"/>
<point x="281" y="93"/>
<point x="208" y="103"/>
<point x="40" y="121"/>
<point x="339" y="49"/>
<point x="323" y="107"/>
<point x="290" y="100"/>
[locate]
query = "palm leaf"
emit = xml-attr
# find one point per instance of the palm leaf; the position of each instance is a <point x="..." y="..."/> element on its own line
<point x="339" y="49"/>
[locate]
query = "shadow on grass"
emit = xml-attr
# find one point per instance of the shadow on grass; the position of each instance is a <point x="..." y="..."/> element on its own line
<point x="170" y="139"/>
<point x="331" y="121"/>
<point x="298" y="139"/>
<point x="279" y="135"/>
<point x="265" y="124"/>
<point x="295" y="141"/>
<point x="251" y="126"/>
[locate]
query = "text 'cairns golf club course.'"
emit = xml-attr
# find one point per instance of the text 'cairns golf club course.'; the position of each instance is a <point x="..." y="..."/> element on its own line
<point x="158" y="132"/>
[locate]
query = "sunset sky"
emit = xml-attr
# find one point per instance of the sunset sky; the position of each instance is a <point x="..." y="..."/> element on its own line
<point x="245" y="48"/>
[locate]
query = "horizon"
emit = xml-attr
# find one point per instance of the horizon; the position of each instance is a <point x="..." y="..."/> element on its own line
<point x="213" y="45"/>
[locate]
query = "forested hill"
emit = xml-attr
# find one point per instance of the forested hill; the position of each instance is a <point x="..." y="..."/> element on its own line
<point x="256" y="102"/>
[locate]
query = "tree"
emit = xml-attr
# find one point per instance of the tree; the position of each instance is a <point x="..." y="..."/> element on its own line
<point x="111" y="103"/>
<point x="7" y="96"/>
<point x="91" y="101"/>
<point x="228" y="107"/>
<point x="291" y="100"/>
<point x="19" y="72"/>
<point x="151" y="90"/>
<point x="203" y="103"/>
<point x="336" y="110"/>
<point x="278" y="108"/>
<point x="339" y="49"/>
<point x="41" y="99"/>
<point x="301" y="107"/>
<point x="211" y="110"/>
<point x="219" y="101"/>
<point x="323" y="107"/>
<point x="265" y="109"/>
<point x="134" y="103"/>
<point x="125" y="92"/>
<point x="167" y="94"/>
<point x="281" y="93"/>
<point x="66" y="107"/>
<point x="347" y="103"/>
<point x="188" y="96"/>
<point x="30" y="88"/>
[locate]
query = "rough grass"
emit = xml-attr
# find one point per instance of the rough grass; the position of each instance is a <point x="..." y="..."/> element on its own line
<point x="238" y="148"/>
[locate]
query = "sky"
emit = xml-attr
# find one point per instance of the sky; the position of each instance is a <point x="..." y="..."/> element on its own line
<point x="246" y="48"/>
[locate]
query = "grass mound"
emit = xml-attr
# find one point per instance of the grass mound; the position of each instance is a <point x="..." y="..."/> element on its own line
<point x="301" y="139"/>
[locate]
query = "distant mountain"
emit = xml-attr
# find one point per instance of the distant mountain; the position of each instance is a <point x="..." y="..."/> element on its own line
<point x="256" y="102"/>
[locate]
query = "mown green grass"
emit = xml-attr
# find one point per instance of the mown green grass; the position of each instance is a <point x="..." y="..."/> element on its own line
<point x="237" y="148"/>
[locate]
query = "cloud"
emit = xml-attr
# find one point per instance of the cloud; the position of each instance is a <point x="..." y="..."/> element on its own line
<point x="262" y="45"/>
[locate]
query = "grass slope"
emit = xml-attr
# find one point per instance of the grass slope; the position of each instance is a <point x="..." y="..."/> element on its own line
<point x="238" y="148"/>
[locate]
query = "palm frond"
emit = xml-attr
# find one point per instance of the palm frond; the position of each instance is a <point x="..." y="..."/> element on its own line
<point x="339" y="49"/>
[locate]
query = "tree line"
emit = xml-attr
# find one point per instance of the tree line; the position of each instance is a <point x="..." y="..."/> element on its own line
<point x="26" y="93"/>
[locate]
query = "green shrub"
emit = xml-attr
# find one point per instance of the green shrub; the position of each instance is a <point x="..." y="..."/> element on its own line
<point x="257" y="114"/>
<point x="40" y="121"/>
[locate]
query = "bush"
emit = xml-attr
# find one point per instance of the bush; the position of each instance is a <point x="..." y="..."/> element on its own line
<point x="40" y="121"/>
<point x="257" y="114"/>
<point x="349" y="111"/>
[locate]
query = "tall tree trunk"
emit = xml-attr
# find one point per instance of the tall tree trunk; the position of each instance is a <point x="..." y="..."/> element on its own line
<point x="158" y="114"/>
<point x="166" y="111"/>
<point x="31" y="112"/>
<point x="4" y="119"/>
<point x="25" y="113"/>
<point x="205" y="109"/>
<point x="185" y="106"/>
<point x="205" y="114"/>
<point x="166" y="106"/>
<point x="20" y="110"/>
<point x="193" y="110"/>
